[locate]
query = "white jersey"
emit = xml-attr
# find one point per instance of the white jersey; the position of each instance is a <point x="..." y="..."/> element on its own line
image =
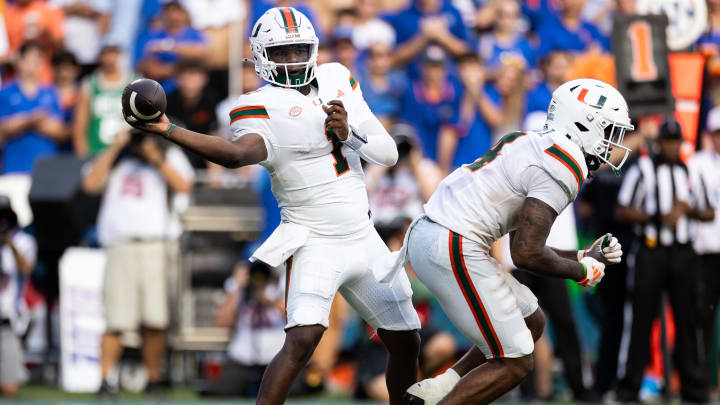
<point x="137" y="190"/>
<point x="481" y="201"/>
<point x="317" y="181"/>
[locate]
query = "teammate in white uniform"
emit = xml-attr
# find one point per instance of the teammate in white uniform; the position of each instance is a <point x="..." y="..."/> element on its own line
<point x="309" y="128"/>
<point x="518" y="187"/>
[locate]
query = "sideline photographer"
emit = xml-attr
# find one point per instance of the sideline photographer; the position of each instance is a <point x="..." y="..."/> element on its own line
<point x="137" y="175"/>
<point x="17" y="258"/>
<point x="254" y="310"/>
<point x="401" y="190"/>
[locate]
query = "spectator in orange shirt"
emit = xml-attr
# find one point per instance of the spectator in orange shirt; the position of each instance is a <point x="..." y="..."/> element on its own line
<point x="4" y="43"/>
<point x="36" y="20"/>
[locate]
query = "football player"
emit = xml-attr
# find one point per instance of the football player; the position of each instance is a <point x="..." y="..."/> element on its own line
<point x="518" y="187"/>
<point x="310" y="127"/>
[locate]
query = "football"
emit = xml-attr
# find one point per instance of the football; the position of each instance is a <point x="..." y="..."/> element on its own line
<point x="143" y="100"/>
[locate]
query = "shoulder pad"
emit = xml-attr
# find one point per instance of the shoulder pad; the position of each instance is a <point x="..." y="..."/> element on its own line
<point x="333" y="68"/>
<point x="565" y="162"/>
<point x="337" y="72"/>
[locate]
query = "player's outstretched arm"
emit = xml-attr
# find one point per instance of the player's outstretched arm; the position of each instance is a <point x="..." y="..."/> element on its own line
<point x="528" y="250"/>
<point x="247" y="150"/>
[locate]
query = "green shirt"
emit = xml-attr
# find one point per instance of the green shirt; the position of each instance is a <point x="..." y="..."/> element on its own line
<point x="105" y="118"/>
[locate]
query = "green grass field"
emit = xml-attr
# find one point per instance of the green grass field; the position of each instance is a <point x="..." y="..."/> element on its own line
<point x="41" y="395"/>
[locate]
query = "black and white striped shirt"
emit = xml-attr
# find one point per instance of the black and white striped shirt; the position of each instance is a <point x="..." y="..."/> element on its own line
<point x="652" y="186"/>
<point x="705" y="170"/>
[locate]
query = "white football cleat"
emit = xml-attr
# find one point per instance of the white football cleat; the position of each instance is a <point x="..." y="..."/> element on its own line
<point x="431" y="390"/>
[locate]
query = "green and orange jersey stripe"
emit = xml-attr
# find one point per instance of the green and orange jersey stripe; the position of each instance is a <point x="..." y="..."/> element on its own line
<point x="253" y="111"/>
<point x="288" y="270"/>
<point x="457" y="261"/>
<point x="289" y="19"/>
<point x="562" y="156"/>
<point x="353" y="82"/>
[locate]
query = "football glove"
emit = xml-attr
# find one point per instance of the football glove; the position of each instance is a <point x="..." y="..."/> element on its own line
<point x="594" y="272"/>
<point x="605" y="249"/>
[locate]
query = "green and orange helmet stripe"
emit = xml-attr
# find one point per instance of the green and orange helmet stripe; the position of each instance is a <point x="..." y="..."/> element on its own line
<point x="289" y="20"/>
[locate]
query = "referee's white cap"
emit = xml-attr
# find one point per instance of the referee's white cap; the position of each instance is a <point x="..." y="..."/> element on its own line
<point x="713" y="119"/>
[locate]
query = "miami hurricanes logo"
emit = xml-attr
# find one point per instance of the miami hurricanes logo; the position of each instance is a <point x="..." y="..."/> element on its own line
<point x="600" y="103"/>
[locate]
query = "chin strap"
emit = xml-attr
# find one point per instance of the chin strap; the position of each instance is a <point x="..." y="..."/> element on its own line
<point x="593" y="162"/>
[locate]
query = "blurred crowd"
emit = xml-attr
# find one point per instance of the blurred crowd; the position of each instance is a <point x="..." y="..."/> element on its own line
<point x="447" y="78"/>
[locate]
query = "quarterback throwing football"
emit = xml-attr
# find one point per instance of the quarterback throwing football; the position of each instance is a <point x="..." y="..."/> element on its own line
<point x="518" y="187"/>
<point x="310" y="127"/>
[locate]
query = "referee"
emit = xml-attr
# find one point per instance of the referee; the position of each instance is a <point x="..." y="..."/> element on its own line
<point x="659" y="199"/>
<point x="705" y="169"/>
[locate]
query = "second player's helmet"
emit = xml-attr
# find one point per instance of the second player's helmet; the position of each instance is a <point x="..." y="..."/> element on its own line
<point x="282" y="26"/>
<point x="595" y="116"/>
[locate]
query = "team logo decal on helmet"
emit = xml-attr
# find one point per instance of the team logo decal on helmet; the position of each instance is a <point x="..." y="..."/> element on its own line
<point x="278" y="27"/>
<point x="595" y="116"/>
<point x="600" y="103"/>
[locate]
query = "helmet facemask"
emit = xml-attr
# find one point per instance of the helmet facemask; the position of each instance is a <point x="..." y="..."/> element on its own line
<point x="614" y="133"/>
<point x="288" y="74"/>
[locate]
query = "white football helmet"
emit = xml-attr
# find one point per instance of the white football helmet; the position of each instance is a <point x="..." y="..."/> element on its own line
<point x="595" y="116"/>
<point x="283" y="26"/>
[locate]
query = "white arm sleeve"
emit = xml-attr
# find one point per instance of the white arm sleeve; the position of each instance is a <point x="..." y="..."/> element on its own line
<point x="540" y="185"/>
<point x="373" y="143"/>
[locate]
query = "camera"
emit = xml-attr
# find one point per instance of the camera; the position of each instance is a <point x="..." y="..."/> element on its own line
<point x="134" y="145"/>
<point x="405" y="138"/>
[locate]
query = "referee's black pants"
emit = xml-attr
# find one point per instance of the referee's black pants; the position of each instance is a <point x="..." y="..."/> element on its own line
<point x="554" y="300"/>
<point x="609" y="304"/>
<point x="710" y="271"/>
<point x="672" y="269"/>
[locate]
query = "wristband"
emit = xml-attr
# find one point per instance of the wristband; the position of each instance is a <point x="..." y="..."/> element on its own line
<point x="581" y="254"/>
<point x="169" y="131"/>
<point x="355" y="141"/>
<point x="585" y="279"/>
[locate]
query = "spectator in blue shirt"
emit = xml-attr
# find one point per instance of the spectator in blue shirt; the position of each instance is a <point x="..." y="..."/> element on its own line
<point x="30" y="120"/>
<point x="66" y="71"/>
<point x="506" y="40"/>
<point x="555" y="68"/>
<point x="537" y="11"/>
<point x="343" y="47"/>
<point x="129" y="19"/>
<point x="431" y="103"/>
<point x="566" y="30"/>
<point x="174" y="40"/>
<point x="382" y="87"/>
<point x="709" y="43"/>
<point x="427" y="22"/>
<point x="480" y="113"/>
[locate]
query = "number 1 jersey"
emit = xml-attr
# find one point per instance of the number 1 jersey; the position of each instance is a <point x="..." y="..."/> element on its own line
<point x="317" y="181"/>
<point x="481" y="200"/>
